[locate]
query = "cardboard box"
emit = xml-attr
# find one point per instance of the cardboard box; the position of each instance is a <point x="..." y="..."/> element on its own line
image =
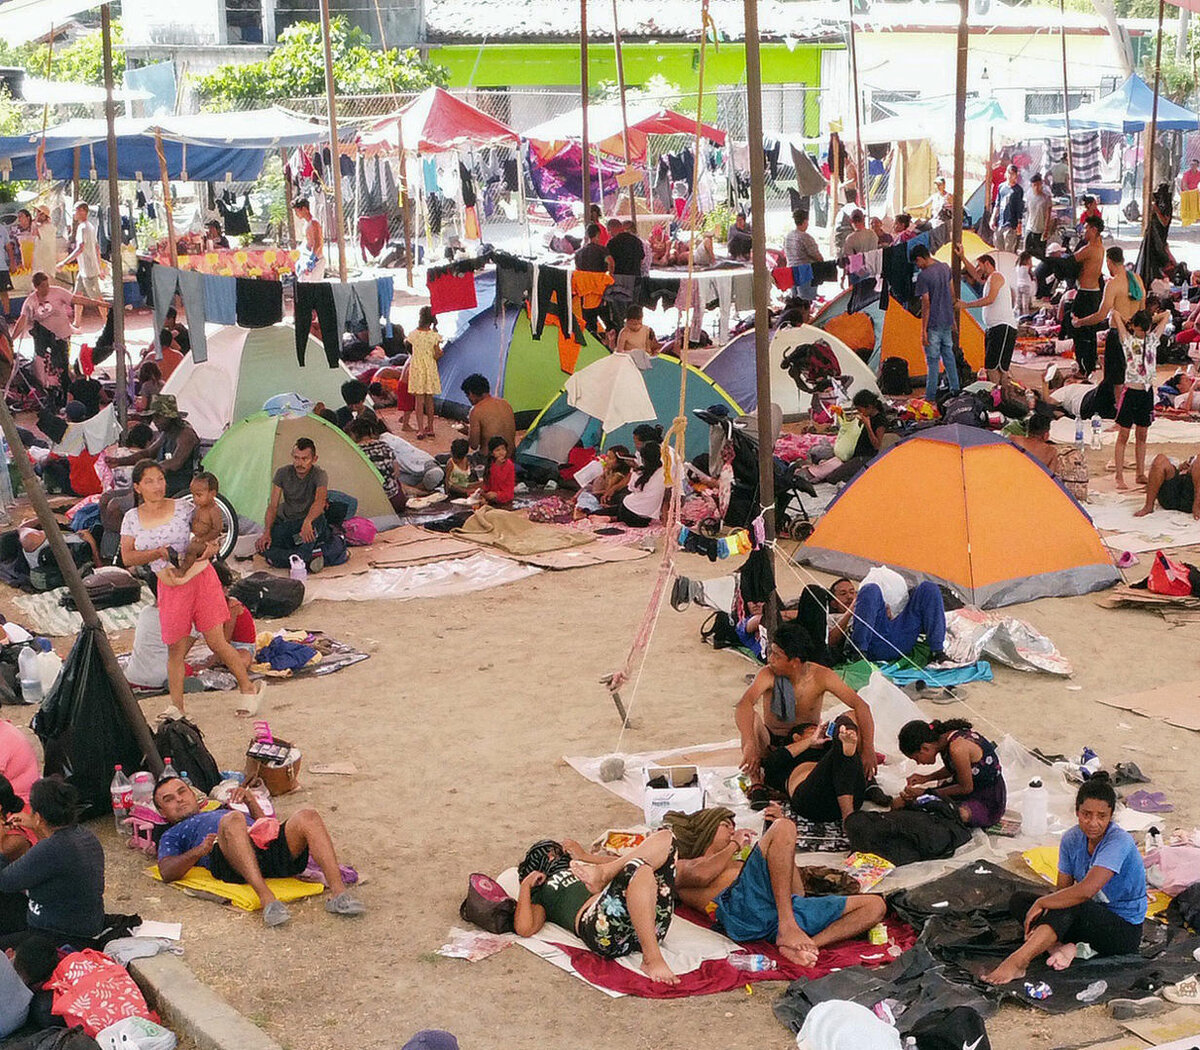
<point x="684" y="793"/>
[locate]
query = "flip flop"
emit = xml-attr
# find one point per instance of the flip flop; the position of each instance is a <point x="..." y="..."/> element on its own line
<point x="249" y="704"/>
<point x="1125" y="559"/>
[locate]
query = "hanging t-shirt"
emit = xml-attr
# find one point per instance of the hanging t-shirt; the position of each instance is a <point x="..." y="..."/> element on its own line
<point x="450" y="291"/>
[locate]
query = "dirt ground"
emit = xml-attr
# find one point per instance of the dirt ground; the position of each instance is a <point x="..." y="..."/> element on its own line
<point x="457" y="725"/>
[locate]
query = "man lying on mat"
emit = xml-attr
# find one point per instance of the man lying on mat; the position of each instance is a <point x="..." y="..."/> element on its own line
<point x="761" y="897"/>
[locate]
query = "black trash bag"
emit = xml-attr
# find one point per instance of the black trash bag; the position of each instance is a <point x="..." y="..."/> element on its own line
<point x="906" y="836"/>
<point x="83" y="729"/>
<point x="54" y="1039"/>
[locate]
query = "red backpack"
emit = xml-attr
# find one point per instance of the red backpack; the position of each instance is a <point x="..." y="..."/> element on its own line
<point x="92" y="990"/>
<point x="1169" y="577"/>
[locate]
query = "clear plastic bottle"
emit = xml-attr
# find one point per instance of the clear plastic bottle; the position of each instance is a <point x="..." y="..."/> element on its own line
<point x="121" y="793"/>
<point x="143" y="789"/>
<point x="168" y="769"/>
<point x="29" y="669"/>
<point x="1035" y="809"/>
<point x="1079" y="431"/>
<point x="1096" y="442"/>
<point x="751" y="962"/>
<point x="298" y="570"/>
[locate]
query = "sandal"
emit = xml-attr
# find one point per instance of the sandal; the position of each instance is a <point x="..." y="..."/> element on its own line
<point x="761" y="796"/>
<point x="249" y="703"/>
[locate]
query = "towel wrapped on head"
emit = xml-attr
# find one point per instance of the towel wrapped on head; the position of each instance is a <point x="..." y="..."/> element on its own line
<point x="694" y="832"/>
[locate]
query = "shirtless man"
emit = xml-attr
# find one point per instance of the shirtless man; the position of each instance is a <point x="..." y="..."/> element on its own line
<point x="1176" y="487"/>
<point x="311" y="264"/>
<point x="1037" y="441"/>
<point x="1117" y="296"/>
<point x="1087" y="299"/>
<point x="791" y="689"/>
<point x="762" y="897"/>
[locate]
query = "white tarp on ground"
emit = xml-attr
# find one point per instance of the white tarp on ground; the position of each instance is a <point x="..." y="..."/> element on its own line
<point x="439" y="579"/>
<point x="1158" y="530"/>
<point x="1164" y="431"/>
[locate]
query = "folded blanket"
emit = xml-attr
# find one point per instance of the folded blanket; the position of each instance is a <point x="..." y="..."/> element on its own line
<point x="509" y="531"/>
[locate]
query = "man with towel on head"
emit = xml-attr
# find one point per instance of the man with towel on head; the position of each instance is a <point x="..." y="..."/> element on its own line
<point x="761" y="897"/>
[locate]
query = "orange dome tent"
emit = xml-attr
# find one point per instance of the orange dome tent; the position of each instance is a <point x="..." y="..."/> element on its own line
<point x="902" y="338"/>
<point x="964" y="508"/>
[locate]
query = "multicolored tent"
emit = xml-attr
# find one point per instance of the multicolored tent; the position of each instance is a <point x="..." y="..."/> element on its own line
<point x="969" y="510"/>
<point x="560" y="427"/>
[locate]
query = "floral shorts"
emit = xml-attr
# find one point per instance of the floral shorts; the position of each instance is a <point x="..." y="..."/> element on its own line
<point x="605" y="926"/>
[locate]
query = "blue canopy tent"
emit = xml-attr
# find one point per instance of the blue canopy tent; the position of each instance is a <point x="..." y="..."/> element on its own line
<point x="204" y="147"/>
<point x="1127" y="110"/>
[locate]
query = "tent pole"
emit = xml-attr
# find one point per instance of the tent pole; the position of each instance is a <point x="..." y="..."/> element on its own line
<point x="863" y="181"/>
<point x="960" y="131"/>
<point x="624" y="114"/>
<point x="583" y="106"/>
<point x="410" y="249"/>
<point x="1151" y="133"/>
<point x="335" y="153"/>
<point x="74" y="582"/>
<point x="1062" y="36"/>
<point x="168" y="207"/>
<point x="114" y="207"/>
<point x="287" y="232"/>
<point x="762" y="287"/>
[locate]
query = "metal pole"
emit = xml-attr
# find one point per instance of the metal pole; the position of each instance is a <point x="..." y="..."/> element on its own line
<point x="330" y="94"/>
<point x="624" y="113"/>
<point x="1148" y="139"/>
<point x="114" y="207"/>
<point x="1062" y="36"/>
<point x="166" y="187"/>
<point x="762" y="278"/>
<point x="863" y="183"/>
<point x="960" y="129"/>
<point x="583" y="104"/>
<point x="74" y="582"/>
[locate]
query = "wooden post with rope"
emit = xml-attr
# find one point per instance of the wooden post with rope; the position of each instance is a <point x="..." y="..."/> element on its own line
<point x="863" y="180"/>
<point x="624" y="111"/>
<point x="335" y="153"/>
<point x="586" y="163"/>
<point x="1151" y="132"/>
<point x="117" y="266"/>
<point x="1062" y="36"/>
<point x="402" y="188"/>
<point x="287" y="228"/>
<point x="166" y="188"/>
<point x="960" y="175"/>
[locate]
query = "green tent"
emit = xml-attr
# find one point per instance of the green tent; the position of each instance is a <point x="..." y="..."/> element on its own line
<point x="248" y="454"/>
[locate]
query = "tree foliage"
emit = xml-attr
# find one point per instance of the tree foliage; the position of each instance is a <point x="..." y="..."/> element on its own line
<point x="296" y="69"/>
<point x="81" y="62"/>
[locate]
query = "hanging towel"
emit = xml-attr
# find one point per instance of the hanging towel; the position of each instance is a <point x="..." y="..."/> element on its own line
<point x="809" y="180"/>
<point x="317" y="298"/>
<point x="824" y="272"/>
<point x="898" y="275"/>
<point x="802" y="275"/>
<point x="366" y="296"/>
<point x="742" y="287"/>
<point x="450" y="291"/>
<point x="345" y="307"/>
<point x="220" y="299"/>
<point x="873" y="262"/>
<point x="372" y="233"/>
<point x="471" y="228"/>
<point x="385" y="292"/>
<point x="514" y="280"/>
<point x="784" y="278"/>
<point x="259" y="303"/>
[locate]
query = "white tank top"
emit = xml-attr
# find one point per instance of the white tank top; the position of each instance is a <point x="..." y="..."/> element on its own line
<point x="1000" y="311"/>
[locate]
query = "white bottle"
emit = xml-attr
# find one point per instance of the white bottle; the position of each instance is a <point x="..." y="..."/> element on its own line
<point x="298" y="571"/>
<point x="49" y="664"/>
<point x="6" y="492"/>
<point x="168" y="769"/>
<point x="121" y="793"/>
<point x="1035" y="809"/>
<point x="29" y="670"/>
<point x="143" y="789"/>
<point x="1079" y="431"/>
<point x="1096" y="443"/>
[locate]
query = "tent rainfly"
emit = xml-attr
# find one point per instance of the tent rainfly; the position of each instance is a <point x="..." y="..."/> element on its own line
<point x="437" y="122"/>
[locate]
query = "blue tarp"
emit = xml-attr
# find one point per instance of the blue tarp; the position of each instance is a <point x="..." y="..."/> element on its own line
<point x="1127" y="109"/>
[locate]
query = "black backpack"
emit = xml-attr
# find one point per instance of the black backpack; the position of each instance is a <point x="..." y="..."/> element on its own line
<point x="268" y="596"/>
<point x="893" y="377"/>
<point x="109" y="587"/>
<point x="184" y="743"/>
<point x="719" y="630"/>
<point x="951" y="1030"/>
<point x="55" y="1039"/>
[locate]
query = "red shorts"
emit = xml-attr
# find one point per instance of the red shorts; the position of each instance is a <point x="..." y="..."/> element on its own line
<point x="199" y="603"/>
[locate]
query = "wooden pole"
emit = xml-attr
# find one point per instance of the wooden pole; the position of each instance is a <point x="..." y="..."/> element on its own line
<point x="75" y="176"/>
<point x="330" y="94"/>
<point x="762" y="280"/>
<point x="74" y="582"/>
<point x="410" y="249"/>
<point x="863" y="182"/>
<point x="1152" y="131"/>
<point x="583" y="106"/>
<point x="117" y="267"/>
<point x="1062" y="36"/>
<point x="960" y="164"/>
<point x="168" y="206"/>
<point x="287" y="229"/>
<point x="624" y="112"/>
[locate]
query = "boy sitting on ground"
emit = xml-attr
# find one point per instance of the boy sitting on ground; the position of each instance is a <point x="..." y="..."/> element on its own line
<point x="206" y="521"/>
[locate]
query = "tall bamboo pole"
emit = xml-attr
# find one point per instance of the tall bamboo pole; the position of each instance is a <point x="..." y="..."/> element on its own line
<point x="1062" y="36"/>
<point x="331" y="97"/>
<point x="863" y="184"/>
<point x="583" y="108"/>
<point x="1151" y="132"/>
<point x="960" y="165"/>
<point x="624" y="112"/>
<point x="114" y="207"/>
<point x="168" y="206"/>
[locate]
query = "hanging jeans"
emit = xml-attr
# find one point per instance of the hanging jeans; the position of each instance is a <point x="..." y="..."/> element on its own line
<point x="220" y="299"/>
<point x="940" y="350"/>
<point x="880" y="637"/>
<point x="317" y="299"/>
<point x="553" y="297"/>
<point x="167" y="280"/>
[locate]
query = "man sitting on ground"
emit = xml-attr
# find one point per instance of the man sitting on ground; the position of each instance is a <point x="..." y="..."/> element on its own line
<point x="295" y="522"/>
<point x="762" y="898"/>
<point x="791" y="689"/>
<point x="490" y="416"/>
<point x="240" y="849"/>
<point x="1175" y="486"/>
<point x="1037" y="441"/>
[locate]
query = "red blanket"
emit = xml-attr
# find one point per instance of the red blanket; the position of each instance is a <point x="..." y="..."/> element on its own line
<point x="719" y="975"/>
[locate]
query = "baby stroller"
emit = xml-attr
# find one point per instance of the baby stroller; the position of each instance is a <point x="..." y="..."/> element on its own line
<point x="744" y="498"/>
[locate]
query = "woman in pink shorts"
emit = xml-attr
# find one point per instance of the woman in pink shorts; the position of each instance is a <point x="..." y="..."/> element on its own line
<point x="185" y="600"/>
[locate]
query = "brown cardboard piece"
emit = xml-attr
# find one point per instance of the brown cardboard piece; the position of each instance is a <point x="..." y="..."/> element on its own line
<point x="1177" y="705"/>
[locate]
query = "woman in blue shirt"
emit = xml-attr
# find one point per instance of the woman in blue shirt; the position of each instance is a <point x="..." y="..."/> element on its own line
<point x="1101" y="895"/>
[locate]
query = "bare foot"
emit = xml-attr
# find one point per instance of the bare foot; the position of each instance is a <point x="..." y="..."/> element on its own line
<point x="658" y="971"/>
<point x="1141" y="479"/>
<point x="1122" y="485"/>
<point x="848" y="736"/>
<point x="1005" y="973"/>
<point x="797" y="946"/>
<point x="590" y="875"/>
<point x="1061" y="957"/>
<point x="1143" y="512"/>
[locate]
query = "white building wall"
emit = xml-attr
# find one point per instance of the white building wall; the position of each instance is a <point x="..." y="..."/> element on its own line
<point x="149" y="22"/>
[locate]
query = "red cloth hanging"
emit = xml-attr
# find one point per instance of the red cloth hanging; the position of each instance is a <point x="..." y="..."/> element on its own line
<point x="450" y="292"/>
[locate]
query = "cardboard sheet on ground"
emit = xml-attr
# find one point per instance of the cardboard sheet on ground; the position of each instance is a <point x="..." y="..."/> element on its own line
<point x="1164" y="431"/>
<point x="407" y="545"/>
<point x="43" y="614"/>
<point x="1161" y="529"/>
<point x="201" y="880"/>
<point x="1176" y="1030"/>
<point x="438" y="579"/>
<point x="1177" y="705"/>
<point x="1140" y="597"/>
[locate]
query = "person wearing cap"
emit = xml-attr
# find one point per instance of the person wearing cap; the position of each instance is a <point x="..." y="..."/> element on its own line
<point x="939" y="200"/>
<point x="86" y="255"/>
<point x="176" y="448"/>
<point x="214" y="236"/>
<point x="1037" y="217"/>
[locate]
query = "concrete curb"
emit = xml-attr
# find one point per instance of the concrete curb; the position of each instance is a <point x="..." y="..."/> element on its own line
<point x="191" y="1008"/>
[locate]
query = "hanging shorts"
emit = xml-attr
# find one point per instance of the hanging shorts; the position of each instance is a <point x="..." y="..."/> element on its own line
<point x="605" y="926"/>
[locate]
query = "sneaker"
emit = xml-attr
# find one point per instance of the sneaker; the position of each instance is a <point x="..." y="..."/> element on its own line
<point x="1186" y="992"/>
<point x="276" y="914"/>
<point x="345" y="904"/>
<point x="317" y="563"/>
<point x="1128" y="1009"/>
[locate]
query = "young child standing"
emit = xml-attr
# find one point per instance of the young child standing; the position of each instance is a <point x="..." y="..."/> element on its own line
<point x="635" y="335"/>
<point x="500" y="483"/>
<point x="1025" y="284"/>
<point x="1139" y="339"/>
<point x="206" y="521"/>
<point x="459" y="479"/>
<point x="423" y="379"/>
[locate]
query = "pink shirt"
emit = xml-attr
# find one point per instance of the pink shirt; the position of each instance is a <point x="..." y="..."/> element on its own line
<point x="1191" y="179"/>
<point x="17" y="759"/>
<point x="53" y="313"/>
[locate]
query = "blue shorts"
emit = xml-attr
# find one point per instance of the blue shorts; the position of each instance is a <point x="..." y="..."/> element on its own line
<point x="746" y="910"/>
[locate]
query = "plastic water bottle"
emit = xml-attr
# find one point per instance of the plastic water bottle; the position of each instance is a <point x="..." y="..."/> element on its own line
<point x="168" y="769"/>
<point x="121" y="793"/>
<point x="1095" y="432"/>
<point x="1079" y="432"/>
<point x="30" y="672"/>
<point x="49" y="664"/>
<point x="1035" y="809"/>
<point x="143" y="789"/>
<point x="751" y="962"/>
<point x="298" y="571"/>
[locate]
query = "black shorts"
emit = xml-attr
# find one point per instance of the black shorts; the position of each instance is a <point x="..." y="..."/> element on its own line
<point x="275" y="862"/>
<point x="1137" y="409"/>
<point x="999" y="342"/>
<point x="6" y="284"/>
<point x="1179" y="492"/>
